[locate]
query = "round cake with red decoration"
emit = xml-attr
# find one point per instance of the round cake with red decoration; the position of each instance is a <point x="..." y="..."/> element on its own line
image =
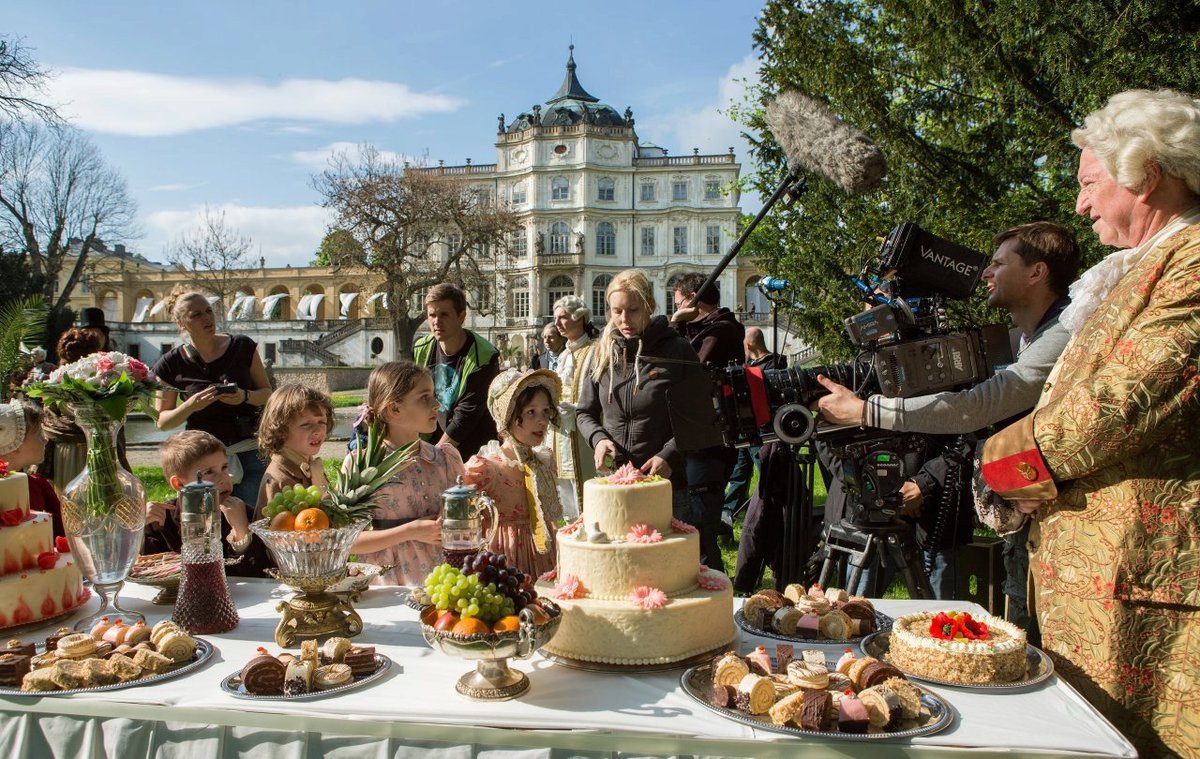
<point x="956" y="647"/>
<point x="38" y="579"/>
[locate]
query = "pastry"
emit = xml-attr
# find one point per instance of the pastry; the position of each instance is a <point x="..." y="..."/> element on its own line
<point x="775" y="598"/>
<point x="116" y="634"/>
<point x="813" y="605"/>
<point x="53" y="639"/>
<point x="861" y="627"/>
<point x="162" y="628"/>
<point x="755" y="694"/>
<point x="784" y="653"/>
<point x="103" y="649"/>
<point x="310" y="652"/>
<point x="724" y="696"/>
<point x="76" y="646"/>
<point x="848" y="658"/>
<point x="837" y="595"/>
<point x="361" y="660"/>
<point x="816" y="591"/>
<point x="285" y="657"/>
<point x="784" y="620"/>
<point x="937" y="644"/>
<point x="68" y="674"/>
<point x="297" y="680"/>
<point x="100" y="628"/>
<point x="39" y="681"/>
<point x="263" y="675"/>
<point x="839" y="682"/>
<point x="151" y="662"/>
<point x="883" y="706"/>
<point x="808" y="675"/>
<point x="17" y="647"/>
<point x="814" y="709"/>
<point x="759" y="661"/>
<point x="98" y="672"/>
<point x="858" y="610"/>
<point x="178" y="647"/>
<point x="757" y="606"/>
<point x="795" y="592"/>
<point x="332" y="676"/>
<point x="854" y="671"/>
<point x="852" y="715"/>
<point x="909" y="695"/>
<point x="786" y="709"/>
<point x="729" y="670"/>
<point x="13" y="668"/>
<point x="136" y="634"/>
<point x="876" y="673"/>
<point x="809" y="627"/>
<point x="813" y="656"/>
<point x="334" y="650"/>
<point x="835" y="625"/>
<point x="783" y="686"/>
<point x="124" y="668"/>
<point x="46" y="659"/>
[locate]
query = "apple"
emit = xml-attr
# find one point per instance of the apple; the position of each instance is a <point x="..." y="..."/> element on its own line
<point x="446" y="622"/>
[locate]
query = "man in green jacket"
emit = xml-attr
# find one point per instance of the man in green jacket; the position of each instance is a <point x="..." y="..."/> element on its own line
<point x="463" y="365"/>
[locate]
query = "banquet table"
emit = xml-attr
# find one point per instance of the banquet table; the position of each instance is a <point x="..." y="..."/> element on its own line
<point x="414" y="709"/>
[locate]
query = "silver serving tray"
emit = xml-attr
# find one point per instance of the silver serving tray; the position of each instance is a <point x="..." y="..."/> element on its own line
<point x="593" y="666"/>
<point x="882" y="623"/>
<point x="233" y="685"/>
<point x="204" y="652"/>
<point x="697" y="684"/>
<point x="1040" y="666"/>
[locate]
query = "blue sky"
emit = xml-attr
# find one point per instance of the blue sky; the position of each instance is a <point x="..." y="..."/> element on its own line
<point x="236" y="105"/>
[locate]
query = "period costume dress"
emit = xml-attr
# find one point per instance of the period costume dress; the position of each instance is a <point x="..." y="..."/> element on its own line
<point x="571" y="452"/>
<point x="1112" y="452"/>
<point x="414" y="493"/>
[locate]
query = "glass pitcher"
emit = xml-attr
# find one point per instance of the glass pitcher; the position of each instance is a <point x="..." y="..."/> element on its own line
<point x="463" y="535"/>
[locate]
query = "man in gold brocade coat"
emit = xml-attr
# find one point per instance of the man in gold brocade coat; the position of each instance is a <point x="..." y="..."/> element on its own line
<point x="1108" y="464"/>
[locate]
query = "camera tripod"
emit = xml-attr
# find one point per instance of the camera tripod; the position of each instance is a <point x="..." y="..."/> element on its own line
<point x="894" y="543"/>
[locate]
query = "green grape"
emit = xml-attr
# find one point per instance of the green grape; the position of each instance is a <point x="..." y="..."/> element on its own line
<point x="298" y="506"/>
<point x="299" y="488"/>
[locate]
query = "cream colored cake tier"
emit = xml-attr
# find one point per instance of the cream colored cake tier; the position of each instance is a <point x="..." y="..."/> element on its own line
<point x="21" y="544"/>
<point x="37" y="594"/>
<point x="618" y="632"/>
<point x="617" y="508"/>
<point x="14" y="493"/>
<point x="612" y="570"/>
<point x="999" y="659"/>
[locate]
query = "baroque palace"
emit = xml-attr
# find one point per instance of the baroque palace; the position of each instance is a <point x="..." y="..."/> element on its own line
<point x="592" y="201"/>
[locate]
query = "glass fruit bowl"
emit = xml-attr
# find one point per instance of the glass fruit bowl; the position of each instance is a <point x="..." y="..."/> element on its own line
<point x="492" y="679"/>
<point x="310" y="556"/>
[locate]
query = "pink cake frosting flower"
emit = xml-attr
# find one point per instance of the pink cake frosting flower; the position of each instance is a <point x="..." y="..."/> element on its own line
<point x="710" y="580"/>
<point x="550" y="576"/>
<point x="628" y="474"/>
<point x="570" y="587"/>
<point x="643" y="533"/>
<point x="572" y="527"/>
<point x="648" y="598"/>
<point x="682" y="527"/>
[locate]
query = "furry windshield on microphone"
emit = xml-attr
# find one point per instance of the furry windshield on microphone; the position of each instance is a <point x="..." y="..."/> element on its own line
<point x="816" y="140"/>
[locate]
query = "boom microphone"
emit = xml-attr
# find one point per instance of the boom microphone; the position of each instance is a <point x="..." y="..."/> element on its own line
<point x="816" y="140"/>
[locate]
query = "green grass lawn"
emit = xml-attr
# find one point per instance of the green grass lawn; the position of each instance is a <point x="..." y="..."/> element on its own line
<point x="157" y="488"/>
<point x="347" y="400"/>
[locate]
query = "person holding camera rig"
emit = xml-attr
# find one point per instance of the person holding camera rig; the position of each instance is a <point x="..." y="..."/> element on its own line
<point x="1029" y="275"/>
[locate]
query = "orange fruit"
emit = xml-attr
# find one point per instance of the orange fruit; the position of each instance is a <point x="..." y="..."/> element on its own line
<point x="471" y="626"/>
<point x="312" y="519"/>
<point x="284" y="520"/>
<point x="510" y="623"/>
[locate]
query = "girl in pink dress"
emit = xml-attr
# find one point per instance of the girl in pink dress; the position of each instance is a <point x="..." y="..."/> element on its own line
<point x="518" y="473"/>
<point x="405" y="529"/>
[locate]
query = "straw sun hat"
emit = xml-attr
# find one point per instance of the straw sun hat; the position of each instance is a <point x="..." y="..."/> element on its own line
<point x="504" y="390"/>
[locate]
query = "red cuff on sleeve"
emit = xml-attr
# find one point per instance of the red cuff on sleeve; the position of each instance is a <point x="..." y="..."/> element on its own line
<point x="1020" y="470"/>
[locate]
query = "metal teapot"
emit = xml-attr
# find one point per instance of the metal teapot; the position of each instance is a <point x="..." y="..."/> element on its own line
<point x="463" y="509"/>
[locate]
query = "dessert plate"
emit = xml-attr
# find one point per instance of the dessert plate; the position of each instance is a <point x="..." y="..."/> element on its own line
<point x="359" y="579"/>
<point x="591" y="666"/>
<point x="882" y="622"/>
<point x="233" y="684"/>
<point x="1040" y="666"/>
<point x="936" y="713"/>
<point x="204" y="652"/>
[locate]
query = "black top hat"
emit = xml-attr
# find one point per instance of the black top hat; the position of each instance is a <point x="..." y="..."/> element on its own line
<point x="93" y="317"/>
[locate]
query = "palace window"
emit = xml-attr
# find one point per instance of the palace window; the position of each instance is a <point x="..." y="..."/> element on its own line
<point x="518" y="193"/>
<point x="606" y="239"/>
<point x="559" y="189"/>
<point x="606" y="189"/>
<point x="560" y="236"/>
<point x="647" y="194"/>
<point x="712" y="190"/>
<point x="679" y="242"/>
<point x="712" y="240"/>
<point x="559" y="287"/>
<point x="599" y="302"/>
<point x="648" y="241"/>
<point x="679" y="191"/>
<point x="520" y="243"/>
<point x="520" y="297"/>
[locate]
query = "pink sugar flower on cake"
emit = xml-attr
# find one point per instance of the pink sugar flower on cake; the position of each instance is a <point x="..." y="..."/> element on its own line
<point x="628" y="474"/>
<point x="648" y="598"/>
<point x="550" y="576"/>
<point x="710" y="580"/>
<point x="643" y="533"/>
<point x="682" y="527"/>
<point x="570" y="587"/>
<point x="572" y="527"/>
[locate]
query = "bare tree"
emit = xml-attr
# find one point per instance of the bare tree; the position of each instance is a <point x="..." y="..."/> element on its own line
<point x="417" y="227"/>
<point x="21" y="79"/>
<point x="215" y="255"/>
<point x="55" y="187"/>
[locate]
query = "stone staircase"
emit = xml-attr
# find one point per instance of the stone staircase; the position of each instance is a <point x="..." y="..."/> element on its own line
<point x="312" y="349"/>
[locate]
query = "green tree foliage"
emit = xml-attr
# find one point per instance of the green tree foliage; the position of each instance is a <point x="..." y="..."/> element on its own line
<point x="339" y="248"/>
<point x="972" y="104"/>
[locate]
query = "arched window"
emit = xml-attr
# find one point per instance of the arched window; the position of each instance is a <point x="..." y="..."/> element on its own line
<point x="560" y="189"/>
<point x="519" y="289"/>
<point x="606" y="239"/>
<point x="599" y="302"/>
<point x="606" y="189"/>
<point x="559" y="238"/>
<point x="559" y="287"/>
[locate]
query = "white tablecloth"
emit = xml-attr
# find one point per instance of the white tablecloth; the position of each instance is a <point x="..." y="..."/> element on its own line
<point x="415" y="708"/>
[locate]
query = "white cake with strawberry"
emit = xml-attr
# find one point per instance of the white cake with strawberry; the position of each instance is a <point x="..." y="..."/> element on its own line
<point x="37" y="581"/>
<point x="630" y="582"/>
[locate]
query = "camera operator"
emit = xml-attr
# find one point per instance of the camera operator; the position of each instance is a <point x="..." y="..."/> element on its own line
<point x="759" y="357"/>
<point x="717" y="337"/>
<point x="1029" y="275"/>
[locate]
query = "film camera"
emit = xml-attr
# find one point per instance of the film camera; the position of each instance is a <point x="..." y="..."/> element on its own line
<point x="907" y="347"/>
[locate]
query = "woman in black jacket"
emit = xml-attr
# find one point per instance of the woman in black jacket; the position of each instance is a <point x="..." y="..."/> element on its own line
<point x="623" y="403"/>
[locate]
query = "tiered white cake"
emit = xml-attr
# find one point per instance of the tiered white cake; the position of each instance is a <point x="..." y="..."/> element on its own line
<point x="36" y="581"/>
<point x="629" y="580"/>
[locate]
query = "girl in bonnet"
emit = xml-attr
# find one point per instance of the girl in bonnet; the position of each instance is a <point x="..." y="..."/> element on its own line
<point x="517" y="472"/>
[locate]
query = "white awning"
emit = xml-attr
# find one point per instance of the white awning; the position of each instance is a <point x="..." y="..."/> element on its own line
<point x="309" y="303"/>
<point x="347" y="300"/>
<point x="141" y="308"/>
<point x="243" y="307"/>
<point x="158" y="308"/>
<point x="270" y="302"/>
<point x="377" y="296"/>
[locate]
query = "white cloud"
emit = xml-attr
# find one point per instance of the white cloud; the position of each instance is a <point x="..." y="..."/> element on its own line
<point x="289" y="235"/>
<point x="319" y="158"/>
<point x="147" y="104"/>
<point x="174" y="187"/>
